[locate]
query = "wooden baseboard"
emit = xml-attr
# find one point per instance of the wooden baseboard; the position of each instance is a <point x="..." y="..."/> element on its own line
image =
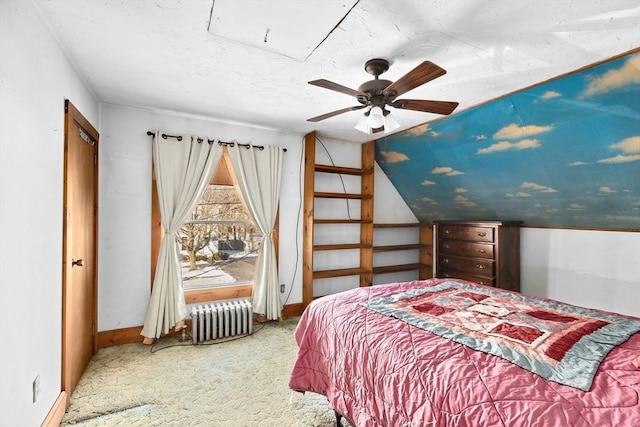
<point x="132" y="334"/>
<point x="119" y="337"/>
<point x="292" y="310"/>
<point x="54" y="417"/>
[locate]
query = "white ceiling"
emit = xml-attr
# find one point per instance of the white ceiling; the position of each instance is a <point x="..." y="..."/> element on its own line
<point x="249" y="61"/>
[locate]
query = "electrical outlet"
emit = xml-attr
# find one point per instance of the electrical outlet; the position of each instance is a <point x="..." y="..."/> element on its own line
<point x="282" y="288"/>
<point x="36" y="388"/>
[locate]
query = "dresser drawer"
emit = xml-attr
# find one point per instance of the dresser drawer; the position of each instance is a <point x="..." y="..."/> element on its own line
<point x="461" y="232"/>
<point x="473" y="266"/>
<point x="488" y="281"/>
<point x="470" y="249"/>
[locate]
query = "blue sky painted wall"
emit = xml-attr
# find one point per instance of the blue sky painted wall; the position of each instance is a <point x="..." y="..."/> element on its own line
<point x="565" y="153"/>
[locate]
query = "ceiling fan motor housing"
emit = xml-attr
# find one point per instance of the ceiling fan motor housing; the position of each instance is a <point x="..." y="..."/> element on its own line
<point x="372" y="91"/>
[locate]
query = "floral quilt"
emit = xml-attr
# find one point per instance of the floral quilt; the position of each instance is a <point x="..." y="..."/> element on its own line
<point x="559" y="342"/>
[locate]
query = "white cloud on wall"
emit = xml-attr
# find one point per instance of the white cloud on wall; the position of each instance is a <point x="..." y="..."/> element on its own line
<point x="550" y="94"/>
<point x="630" y="148"/>
<point x="606" y="190"/>
<point x="629" y="73"/>
<point x="394" y="156"/>
<point x="416" y="131"/>
<point x="525" y="144"/>
<point x="461" y="200"/>
<point x="429" y="200"/>
<point x="629" y="145"/>
<point x="537" y="187"/>
<point x="620" y="159"/>
<point x="514" y="131"/>
<point x="446" y="170"/>
<point x="576" y="207"/>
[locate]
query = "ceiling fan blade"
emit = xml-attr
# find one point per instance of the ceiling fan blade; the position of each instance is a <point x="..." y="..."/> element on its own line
<point x="420" y="75"/>
<point x="335" y="86"/>
<point x="335" y="113"/>
<point x="376" y="130"/>
<point x="437" y="107"/>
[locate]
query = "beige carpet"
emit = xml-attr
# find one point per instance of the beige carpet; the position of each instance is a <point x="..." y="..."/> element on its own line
<point x="236" y="383"/>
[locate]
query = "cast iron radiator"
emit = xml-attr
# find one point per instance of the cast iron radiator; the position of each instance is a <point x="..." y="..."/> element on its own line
<point x="221" y="319"/>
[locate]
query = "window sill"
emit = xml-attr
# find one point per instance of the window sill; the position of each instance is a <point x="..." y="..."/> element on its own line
<point x="196" y="296"/>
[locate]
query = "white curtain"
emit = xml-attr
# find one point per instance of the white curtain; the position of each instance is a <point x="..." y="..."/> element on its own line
<point x="259" y="172"/>
<point x="183" y="168"/>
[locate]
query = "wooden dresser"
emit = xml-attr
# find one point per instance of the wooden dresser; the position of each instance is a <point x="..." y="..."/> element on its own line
<point x="485" y="252"/>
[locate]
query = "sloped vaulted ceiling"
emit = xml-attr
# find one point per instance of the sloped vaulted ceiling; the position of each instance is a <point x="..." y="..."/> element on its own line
<point x="565" y="153"/>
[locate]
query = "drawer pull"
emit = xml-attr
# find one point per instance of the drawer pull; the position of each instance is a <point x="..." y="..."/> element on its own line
<point x="445" y="246"/>
<point x="446" y="231"/>
<point x="482" y="233"/>
<point x="481" y="251"/>
<point x="480" y="267"/>
<point x="446" y="260"/>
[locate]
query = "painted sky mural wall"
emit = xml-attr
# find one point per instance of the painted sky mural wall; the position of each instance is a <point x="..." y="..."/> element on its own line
<point x="565" y="153"/>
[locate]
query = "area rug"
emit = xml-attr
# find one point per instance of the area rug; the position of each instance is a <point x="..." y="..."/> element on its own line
<point x="238" y="382"/>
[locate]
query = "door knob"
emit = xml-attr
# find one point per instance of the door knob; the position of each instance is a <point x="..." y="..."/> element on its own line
<point x="76" y="262"/>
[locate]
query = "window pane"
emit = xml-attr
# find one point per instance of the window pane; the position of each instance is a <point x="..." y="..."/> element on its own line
<point x="219" y="242"/>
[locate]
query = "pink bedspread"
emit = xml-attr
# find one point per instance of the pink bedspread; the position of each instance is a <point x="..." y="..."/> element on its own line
<point x="380" y="371"/>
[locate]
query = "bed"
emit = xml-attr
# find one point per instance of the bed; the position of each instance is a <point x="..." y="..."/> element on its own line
<point x="393" y="355"/>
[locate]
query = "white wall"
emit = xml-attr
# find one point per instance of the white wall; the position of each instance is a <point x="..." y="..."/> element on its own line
<point x="125" y="205"/>
<point x="35" y="79"/>
<point x="598" y="269"/>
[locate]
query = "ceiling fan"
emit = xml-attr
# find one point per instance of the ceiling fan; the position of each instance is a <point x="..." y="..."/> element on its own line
<point x="379" y="93"/>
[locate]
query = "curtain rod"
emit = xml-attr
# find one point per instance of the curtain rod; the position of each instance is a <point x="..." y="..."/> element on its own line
<point x="211" y="141"/>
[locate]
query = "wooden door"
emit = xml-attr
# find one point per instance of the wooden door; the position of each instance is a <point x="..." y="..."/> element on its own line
<point x="79" y="286"/>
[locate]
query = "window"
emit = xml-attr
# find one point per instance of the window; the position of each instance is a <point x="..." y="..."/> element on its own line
<point x="219" y="242"/>
<point x="233" y="237"/>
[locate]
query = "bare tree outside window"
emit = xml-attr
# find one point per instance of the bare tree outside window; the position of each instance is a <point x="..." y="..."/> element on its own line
<point x="219" y="242"/>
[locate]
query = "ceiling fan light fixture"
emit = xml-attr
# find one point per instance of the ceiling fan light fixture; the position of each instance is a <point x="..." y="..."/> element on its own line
<point x="362" y="124"/>
<point x="390" y="123"/>
<point x="376" y="118"/>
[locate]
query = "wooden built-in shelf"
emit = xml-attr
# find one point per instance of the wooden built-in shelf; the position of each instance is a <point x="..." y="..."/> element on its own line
<point x="397" y="268"/>
<point x="339" y="272"/>
<point x="424" y="266"/>
<point x="365" y="270"/>
<point x="365" y="220"/>
<point x="390" y="248"/>
<point x="400" y="225"/>
<point x="324" y="195"/>
<point x="337" y="247"/>
<point x="342" y="170"/>
<point x="342" y="221"/>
